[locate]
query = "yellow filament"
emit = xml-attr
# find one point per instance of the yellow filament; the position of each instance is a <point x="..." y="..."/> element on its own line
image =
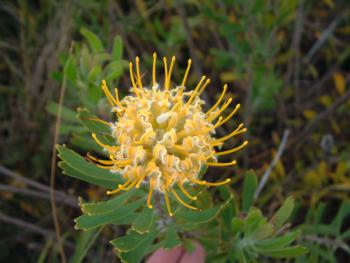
<point x="129" y="186"/>
<point x="167" y="203"/>
<point x="232" y="150"/>
<point x="93" y="158"/>
<point x="105" y="167"/>
<point x="218" y="101"/>
<point x="167" y="83"/>
<point x="117" y="98"/>
<point x="182" y="188"/>
<point x="96" y="119"/>
<point x="195" y="91"/>
<point x="99" y="142"/>
<point x="140" y="180"/>
<point x="109" y="96"/>
<point x="165" y="71"/>
<point x="231" y="114"/>
<point x="235" y="132"/>
<point x="133" y="80"/>
<point x="154" y="68"/>
<point x="189" y="62"/>
<point x="216" y="114"/>
<point x="221" y="164"/>
<point x="151" y="187"/>
<point x="120" y="187"/>
<point x="203" y="88"/>
<point x="181" y="201"/>
<point x="200" y="182"/>
<point x="218" y="123"/>
<point x="139" y="82"/>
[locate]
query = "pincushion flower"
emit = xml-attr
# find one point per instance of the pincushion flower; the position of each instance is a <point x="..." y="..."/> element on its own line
<point x="163" y="136"/>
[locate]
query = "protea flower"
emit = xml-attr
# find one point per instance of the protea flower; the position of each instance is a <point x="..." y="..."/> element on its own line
<point x="163" y="137"/>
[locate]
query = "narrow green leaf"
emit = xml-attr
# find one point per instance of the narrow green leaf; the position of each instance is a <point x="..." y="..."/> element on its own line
<point x="93" y="40"/>
<point x="117" y="51"/>
<point x="203" y="216"/>
<point x="249" y="186"/>
<point x="237" y="225"/>
<point x="137" y="254"/>
<point x="128" y="242"/>
<point x="288" y="252"/>
<point x="253" y="221"/>
<point x="66" y="113"/>
<point x="278" y="242"/>
<point x="80" y="164"/>
<point x="107" y="206"/>
<point x="86" y="222"/>
<point x="143" y="222"/>
<point x="70" y="171"/>
<point x="84" y="242"/>
<point x="283" y="213"/>
<point x="92" y="123"/>
<point x="171" y="238"/>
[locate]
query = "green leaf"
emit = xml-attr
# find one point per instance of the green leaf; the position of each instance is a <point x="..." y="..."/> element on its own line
<point x="70" y="70"/>
<point x="288" y="252"/>
<point x="128" y="242"/>
<point x="283" y="213"/>
<point x="91" y="121"/>
<point x="84" y="242"/>
<point x="137" y="254"/>
<point x="70" y="171"/>
<point x="93" y="40"/>
<point x="203" y="216"/>
<point x="86" y="222"/>
<point x="107" y="206"/>
<point x="237" y="225"/>
<point x="253" y="221"/>
<point x="66" y="114"/>
<point x="171" y="238"/>
<point x="117" y="51"/>
<point x="278" y="242"/>
<point x="249" y="186"/>
<point x="143" y="222"/>
<point x="78" y="163"/>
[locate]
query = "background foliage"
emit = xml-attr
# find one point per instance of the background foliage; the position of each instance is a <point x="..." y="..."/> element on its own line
<point x="286" y="61"/>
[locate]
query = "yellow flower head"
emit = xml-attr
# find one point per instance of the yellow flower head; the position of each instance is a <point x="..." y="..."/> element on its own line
<point x="163" y="136"/>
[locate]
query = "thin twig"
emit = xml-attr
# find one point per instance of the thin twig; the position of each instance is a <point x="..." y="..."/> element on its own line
<point x="272" y="164"/>
<point x="25" y="225"/>
<point x="333" y="243"/>
<point x="37" y="185"/>
<point x="53" y="167"/>
<point x="42" y="195"/>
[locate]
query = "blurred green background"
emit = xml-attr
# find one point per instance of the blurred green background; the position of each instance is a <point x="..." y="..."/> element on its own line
<point x="286" y="61"/>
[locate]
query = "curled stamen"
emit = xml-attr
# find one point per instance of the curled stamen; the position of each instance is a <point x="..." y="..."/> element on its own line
<point x="182" y="201"/>
<point x="232" y="150"/>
